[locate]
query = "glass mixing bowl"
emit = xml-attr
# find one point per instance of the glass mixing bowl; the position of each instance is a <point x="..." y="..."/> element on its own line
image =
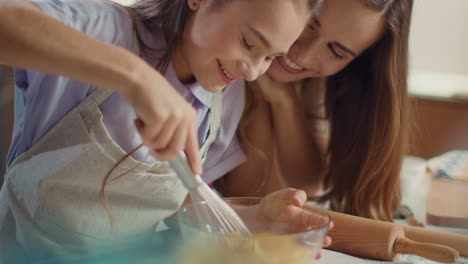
<point x="272" y="242"/>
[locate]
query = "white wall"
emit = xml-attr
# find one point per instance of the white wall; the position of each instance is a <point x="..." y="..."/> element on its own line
<point x="439" y="36"/>
<point x="439" y="48"/>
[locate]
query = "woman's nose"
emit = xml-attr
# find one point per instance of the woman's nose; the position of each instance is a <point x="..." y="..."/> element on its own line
<point x="306" y="52"/>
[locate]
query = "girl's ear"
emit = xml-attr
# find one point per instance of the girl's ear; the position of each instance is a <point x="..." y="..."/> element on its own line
<point x="194" y="5"/>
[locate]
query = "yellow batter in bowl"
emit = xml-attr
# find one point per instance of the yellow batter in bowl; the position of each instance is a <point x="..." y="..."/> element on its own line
<point x="261" y="248"/>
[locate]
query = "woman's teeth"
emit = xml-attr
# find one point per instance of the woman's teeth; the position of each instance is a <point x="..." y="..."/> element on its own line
<point x="225" y="72"/>
<point x="291" y="64"/>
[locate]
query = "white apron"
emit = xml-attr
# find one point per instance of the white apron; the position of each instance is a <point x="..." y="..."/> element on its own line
<point x="50" y="206"/>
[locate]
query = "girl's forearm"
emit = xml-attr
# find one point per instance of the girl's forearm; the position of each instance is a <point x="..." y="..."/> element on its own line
<point x="31" y="39"/>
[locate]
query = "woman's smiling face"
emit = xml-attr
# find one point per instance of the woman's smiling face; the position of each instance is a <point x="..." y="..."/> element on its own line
<point x="341" y="31"/>
<point x="237" y="39"/>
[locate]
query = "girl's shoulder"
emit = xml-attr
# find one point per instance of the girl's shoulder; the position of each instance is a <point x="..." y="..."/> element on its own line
<point x="100" y="19"/>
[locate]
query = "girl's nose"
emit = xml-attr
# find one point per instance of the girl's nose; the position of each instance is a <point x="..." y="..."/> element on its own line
<point x="251" y="70"/>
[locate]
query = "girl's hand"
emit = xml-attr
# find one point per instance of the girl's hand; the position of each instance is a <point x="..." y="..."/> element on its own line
<point x="282" y="212"/>
<point x="166" y="122"/>
<point x="274" y="92"/>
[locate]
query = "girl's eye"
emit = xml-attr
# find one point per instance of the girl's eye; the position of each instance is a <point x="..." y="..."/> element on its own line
<point x="247" y="44"/>
<point x="336" y="54"/>
<point x="269" y="58"/>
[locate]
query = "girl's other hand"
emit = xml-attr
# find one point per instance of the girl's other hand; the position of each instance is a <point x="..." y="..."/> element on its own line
<point x="166" y="123"/>
<point x="282" y="212"/>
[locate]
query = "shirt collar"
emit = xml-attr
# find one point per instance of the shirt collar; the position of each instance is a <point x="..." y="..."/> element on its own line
<point x="189" y="91"/>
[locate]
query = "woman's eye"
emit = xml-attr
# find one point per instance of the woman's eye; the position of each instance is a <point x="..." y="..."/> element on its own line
<point x="311" y="28"/>
<point x="270" y="58"/>
<point x="246" y="44"/>
<point x="336" y="54"/>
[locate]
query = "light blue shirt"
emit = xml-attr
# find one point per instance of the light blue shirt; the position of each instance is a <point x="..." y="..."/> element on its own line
<point x="42" y="100"/>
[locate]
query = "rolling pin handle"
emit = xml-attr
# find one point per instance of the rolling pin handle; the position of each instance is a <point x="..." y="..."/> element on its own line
<point x="433" y="252"/>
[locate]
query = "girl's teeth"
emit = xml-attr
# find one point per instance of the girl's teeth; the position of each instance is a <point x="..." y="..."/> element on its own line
<point x="228" y="75"/>
<point x="225" y="72"/>
<point x="291" y="64"/>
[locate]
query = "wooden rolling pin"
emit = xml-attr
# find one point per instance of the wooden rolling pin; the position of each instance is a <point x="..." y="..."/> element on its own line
<point x="381" y="240"/>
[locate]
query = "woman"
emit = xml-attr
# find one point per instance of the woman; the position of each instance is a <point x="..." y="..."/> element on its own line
<point x="336" y="108"/>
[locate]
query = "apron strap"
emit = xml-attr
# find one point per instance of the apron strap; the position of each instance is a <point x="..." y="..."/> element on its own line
<point x="215" y="122"/>
<point x="100" y="95"/>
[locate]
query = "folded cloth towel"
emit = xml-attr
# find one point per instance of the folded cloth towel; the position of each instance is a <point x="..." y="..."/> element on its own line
<point x="451" y="165"/>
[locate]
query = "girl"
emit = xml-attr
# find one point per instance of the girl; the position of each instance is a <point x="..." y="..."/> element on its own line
<point x="336" y="107"/>
<point x="69" y="134"/>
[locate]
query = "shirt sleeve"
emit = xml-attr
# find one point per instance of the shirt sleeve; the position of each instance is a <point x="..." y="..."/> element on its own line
<point x="100" y="19"/>
<point x="225" y="153"/>
<point x="230" y="159"/>
<point x="41" y="99"/>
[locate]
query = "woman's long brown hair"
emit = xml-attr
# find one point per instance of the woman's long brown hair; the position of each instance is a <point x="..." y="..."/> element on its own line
<point x="368" y="108"/>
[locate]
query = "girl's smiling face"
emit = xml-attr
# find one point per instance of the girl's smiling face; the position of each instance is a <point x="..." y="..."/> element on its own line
<point x="236" y="39"/>
<point x="340" y="32"/>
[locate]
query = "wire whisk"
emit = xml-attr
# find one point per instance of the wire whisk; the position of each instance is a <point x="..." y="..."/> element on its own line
<point x="217" y="214"/>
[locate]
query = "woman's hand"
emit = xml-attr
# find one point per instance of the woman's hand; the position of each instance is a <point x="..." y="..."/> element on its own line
<point x="275" y="92"/>
<point x="282" y="212"/>
<point x="166" y="122"/>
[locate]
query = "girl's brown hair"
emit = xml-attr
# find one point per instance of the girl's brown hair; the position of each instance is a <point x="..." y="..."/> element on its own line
<point x="368" y="109"/>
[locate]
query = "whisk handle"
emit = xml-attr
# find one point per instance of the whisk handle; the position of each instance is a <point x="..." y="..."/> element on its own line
<point x="180" y="165"/>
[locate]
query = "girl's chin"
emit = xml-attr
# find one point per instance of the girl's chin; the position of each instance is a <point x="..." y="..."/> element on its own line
<point x="214" y="88"/>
